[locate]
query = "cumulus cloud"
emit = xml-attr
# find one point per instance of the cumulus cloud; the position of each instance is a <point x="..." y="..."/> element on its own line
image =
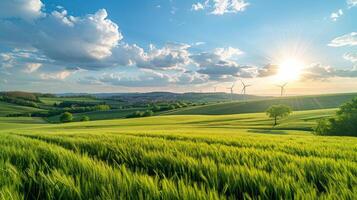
<point x="268" y="70"/>
<point x="88" y="38"/>
<point x="198" y="6"/>
<point x="90" y="42"/>
<point x="20" y="58"/>
<point x="65" y="38"/>
<point x="321" y="72"/>
<point x="220" y="64"/>
<point x="335" y="15"/>
<point x="228" y="6"/>
<point x="220" y="7"/>
<point x="23" y="9"/>
<point x="344" y="40"/>
<point x="191" y="77"/>
<point x="228" y="53"/>
<point x="351" y="3"/>
<point x="56" y="75"/>
<point x="350" y="57"/>
<point x="32" y="67"/>
<point x="145" y="78"/>
<point x="171" y="56"/>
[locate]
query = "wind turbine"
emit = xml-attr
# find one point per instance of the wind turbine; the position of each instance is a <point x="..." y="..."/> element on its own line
<point x="244" y="90"/>
<point x="231" y="89"/>
<point x="282" y="88"/>
<point x="214" y="89"/>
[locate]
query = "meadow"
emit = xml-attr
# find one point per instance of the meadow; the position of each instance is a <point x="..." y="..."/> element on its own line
<point x="308" y="102"/>
<point x="8" y="108"/>
<point x="239" y="156"/>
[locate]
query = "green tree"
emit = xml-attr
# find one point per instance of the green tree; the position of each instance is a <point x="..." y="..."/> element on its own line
<point x="148" y="113"/>
<point x="102" y="107"/>
<point x="278" y="111"/>
<point x="156" y="108"/>
<point x="344" y="123"/>
<point x="85" y="118"/>
<point x="66" y="117"/>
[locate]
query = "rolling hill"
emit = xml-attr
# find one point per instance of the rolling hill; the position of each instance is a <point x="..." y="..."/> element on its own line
<point x="297" y="103"/>
<point x="9" y="108"/>
<point x="98" y="115"/>
<point x="208" y="97"/>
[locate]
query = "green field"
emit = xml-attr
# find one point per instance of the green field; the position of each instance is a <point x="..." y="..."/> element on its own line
<point x="296" y="103"/>
<point x="8" y="108"/>
<point x="176" y="157"/>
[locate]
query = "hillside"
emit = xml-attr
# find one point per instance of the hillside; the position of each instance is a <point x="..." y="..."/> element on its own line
<point x="297" y="103"/>
<point x="9" y="108"/>
<point x="208" y="97"/>
<point x="98" y="115"/>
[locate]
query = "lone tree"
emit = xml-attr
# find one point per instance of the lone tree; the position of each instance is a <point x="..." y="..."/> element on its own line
<point x="343" y="124"/>
<point x="66" y="117"/>
<point x="278" y="111"/>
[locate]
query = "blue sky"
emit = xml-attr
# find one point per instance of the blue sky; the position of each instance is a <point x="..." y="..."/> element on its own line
<point x="171" y="45"/>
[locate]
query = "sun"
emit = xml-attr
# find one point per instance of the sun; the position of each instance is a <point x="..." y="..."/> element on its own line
<point x="290" y="69"/>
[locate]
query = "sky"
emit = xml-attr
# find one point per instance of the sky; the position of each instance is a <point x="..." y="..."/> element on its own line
<point x="178" y="46"/>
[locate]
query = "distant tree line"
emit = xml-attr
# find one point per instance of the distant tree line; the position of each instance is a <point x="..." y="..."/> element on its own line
<point x="146" y="113"/>
<point x="69" y="104"/>
<point x="153" y="108"/>
<point x="19" y="101"/>
<point x="21" y="95"/>
<point x="54" y="112"/>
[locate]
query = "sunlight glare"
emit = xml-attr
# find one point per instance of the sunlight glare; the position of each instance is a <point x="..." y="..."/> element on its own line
<point x="290" y="69"/>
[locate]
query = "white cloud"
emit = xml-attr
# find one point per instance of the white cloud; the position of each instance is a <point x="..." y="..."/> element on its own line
<point x="198" y="43"/>
<point x="7" y="60"/>
<point x="5" y="57"/>
<point x="65" y="38"/>
<point x="56" y="75"/>
<point x="89" y="42"/>
<point x="89" y="38"/>
<point x="146" y="78"/>
<point x="351" y="3"/>
<point x="350" y="57"/>
<point x="344" y="40"/>
<point x="228" y="53"/>
<point x="220" y="64"/>
<point x="335" y="15"/>
<point x="268" y="70"/>
<point x="197" y="6"/>
<point x="24" y="9"/>
<point x="191" y="77"/>
<point x="32" y="67"/>
<point x="320" y="72"/>
<point x="18" y="59"/>
<point x="171" y="56"/>
<point x="221" y="7"/>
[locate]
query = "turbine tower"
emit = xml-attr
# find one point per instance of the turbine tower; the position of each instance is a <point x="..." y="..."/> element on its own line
<point x="282" y="88"/>
<point x="231" y="90"/>
<point x="244" y="90"/>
